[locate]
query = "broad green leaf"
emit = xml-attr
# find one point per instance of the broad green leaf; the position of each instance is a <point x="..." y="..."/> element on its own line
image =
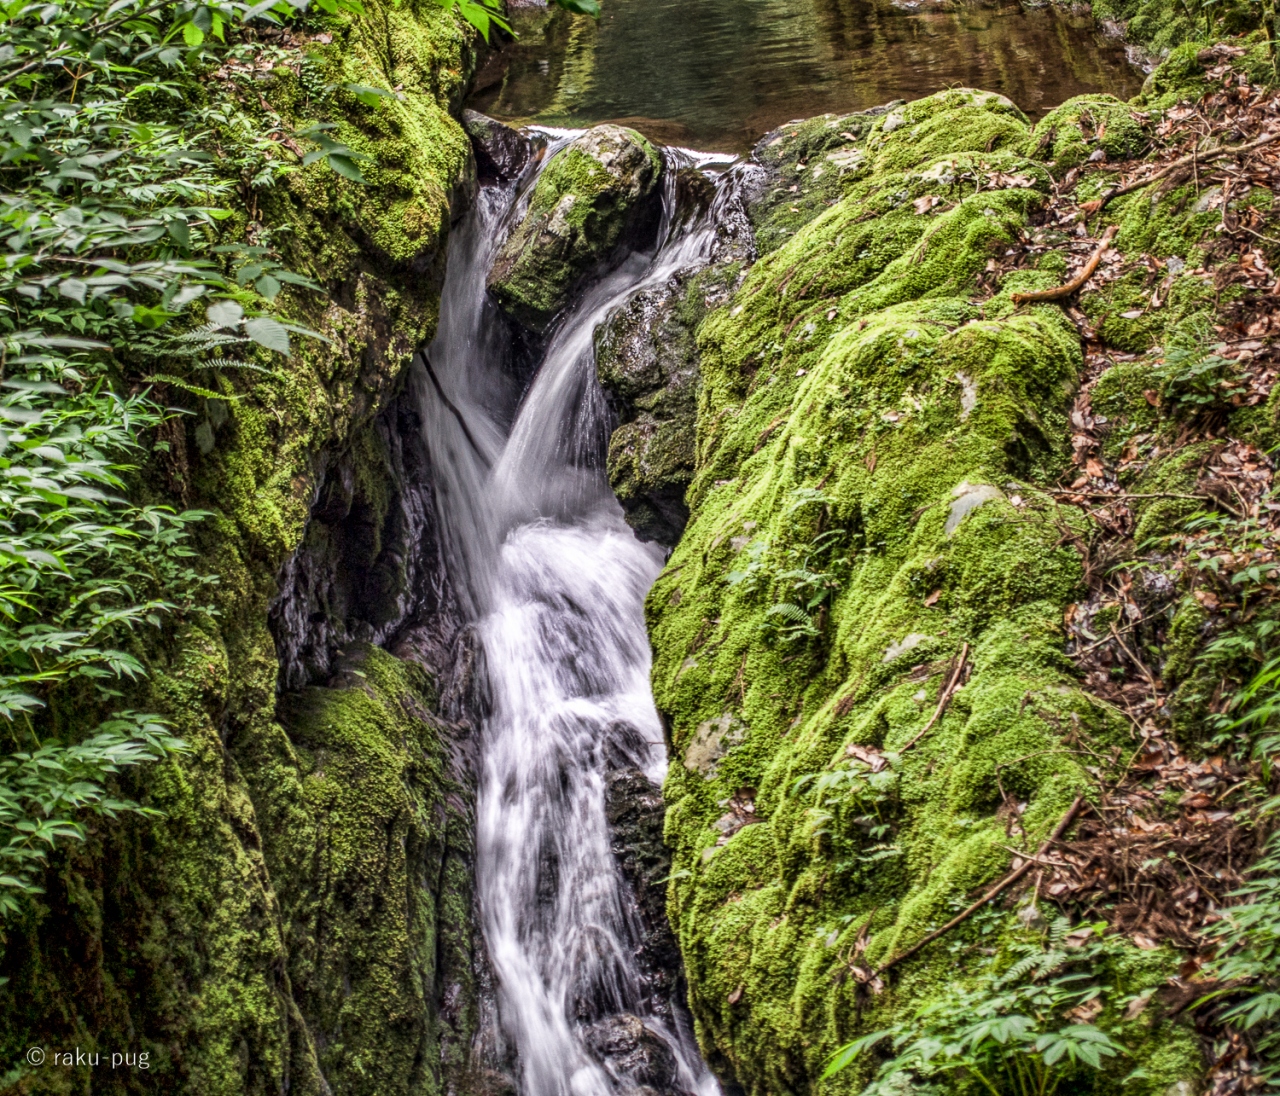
<point x="268" y="332"/>
<point x="225" y="313"/>
<point x="345" y="167"/>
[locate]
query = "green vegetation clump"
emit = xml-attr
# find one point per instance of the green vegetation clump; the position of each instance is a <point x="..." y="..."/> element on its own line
<point x="167" y="402"/>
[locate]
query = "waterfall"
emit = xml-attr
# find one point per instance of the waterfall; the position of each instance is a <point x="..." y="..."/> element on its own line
<point x="555" y="582"/>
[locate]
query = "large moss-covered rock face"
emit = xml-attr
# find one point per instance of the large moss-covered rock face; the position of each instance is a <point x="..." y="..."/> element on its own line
<point x="297" y="916"/>
<point x="598" y="195"/>
<point x="876" y="430"/>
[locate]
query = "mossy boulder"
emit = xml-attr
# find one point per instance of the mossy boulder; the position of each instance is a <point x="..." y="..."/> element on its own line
<point x="596" y="197"/>
<point x="809" y="166"/>
<point x="877" y="430"/>
<point x="1085" y="126"/>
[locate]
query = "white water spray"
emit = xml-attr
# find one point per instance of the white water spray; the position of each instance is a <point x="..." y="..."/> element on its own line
<point x="556" y="582"/>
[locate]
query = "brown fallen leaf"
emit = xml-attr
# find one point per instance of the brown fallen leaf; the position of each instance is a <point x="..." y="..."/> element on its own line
<point x="932" y="599"/>
<point x="1084" y="1014"/>
<point x="736" y="995"/>
<point x="868" y="755"/>
<point x="1206" y="598"/>
<point x="1136" y="1007"/>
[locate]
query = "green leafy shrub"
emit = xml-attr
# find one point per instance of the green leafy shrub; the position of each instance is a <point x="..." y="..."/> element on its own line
<point x="1005" y="1035"/>
<point x="1249" y="959"/>
<point x="115" y="278"/>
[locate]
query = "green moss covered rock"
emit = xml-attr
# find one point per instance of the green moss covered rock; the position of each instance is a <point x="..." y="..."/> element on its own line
<point x="1072" y="133"/>
<point x="876" y="430"/>
<point x="598" y="195"/>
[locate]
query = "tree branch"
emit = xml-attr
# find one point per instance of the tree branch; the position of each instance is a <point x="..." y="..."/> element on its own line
<point x="994" y="892"/>
<point x="1067" y="288"/>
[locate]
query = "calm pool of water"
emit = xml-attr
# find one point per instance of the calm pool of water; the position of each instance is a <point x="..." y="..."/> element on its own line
<point x="717" y="74"/>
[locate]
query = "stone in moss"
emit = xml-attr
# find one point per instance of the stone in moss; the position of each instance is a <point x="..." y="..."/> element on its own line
<point x="597" y="196"/>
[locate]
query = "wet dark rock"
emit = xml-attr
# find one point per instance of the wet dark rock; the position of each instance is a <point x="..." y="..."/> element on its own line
<point x="502" y="153"/>
<point x="597" y="198"/>
<point x="635" y="810"/>
<point x="647" y="362"/>
<point x="629" y="1050"/>
<point x="370" y="567"/>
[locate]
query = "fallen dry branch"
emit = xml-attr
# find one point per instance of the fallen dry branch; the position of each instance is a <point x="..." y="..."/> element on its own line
<point x="1067" y="288"/>
<point x="994" y="892"/>
<point x="942" y="700"/>
<point x="1122" y="496"/>
<point x="1194" y="159"/>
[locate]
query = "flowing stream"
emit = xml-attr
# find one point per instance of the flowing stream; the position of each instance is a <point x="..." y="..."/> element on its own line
<point x="556" y="583"/>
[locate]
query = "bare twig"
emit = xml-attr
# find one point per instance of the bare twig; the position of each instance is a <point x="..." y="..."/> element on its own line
<point x="1121" y="497"/>
<point x="943" y="697"/>
<point x="1022" y="854"/>
<point x="1107" y="639"/>
<point x="994" y="892"/>
<point x="1067" y="288"/>
<point x="1155" y="689"/>
<point x="1193" y="160"/>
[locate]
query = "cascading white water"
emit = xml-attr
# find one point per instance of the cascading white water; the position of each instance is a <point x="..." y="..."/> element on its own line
<point x="556" y="583"/>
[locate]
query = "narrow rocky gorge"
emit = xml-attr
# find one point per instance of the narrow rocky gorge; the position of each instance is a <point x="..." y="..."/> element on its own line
<point x="633" y="655"/>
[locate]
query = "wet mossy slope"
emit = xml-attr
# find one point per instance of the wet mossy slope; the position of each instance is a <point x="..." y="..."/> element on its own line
<point x="297" y="917"/>
<point x="877" y="431"/>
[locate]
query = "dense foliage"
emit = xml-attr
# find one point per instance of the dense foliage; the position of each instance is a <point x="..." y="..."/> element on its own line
<point x="114" y="279"/>
<point x="1024" y="1027"/>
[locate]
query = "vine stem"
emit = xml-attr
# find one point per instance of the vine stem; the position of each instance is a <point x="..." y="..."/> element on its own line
<point x="1193" y="160"/>
<point x="1067" y="288"/>
<point x="942" y="700"/>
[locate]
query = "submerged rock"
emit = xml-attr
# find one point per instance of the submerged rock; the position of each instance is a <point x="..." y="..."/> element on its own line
<point x="598" y="196"/>
<point x="630" y="1051"/>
